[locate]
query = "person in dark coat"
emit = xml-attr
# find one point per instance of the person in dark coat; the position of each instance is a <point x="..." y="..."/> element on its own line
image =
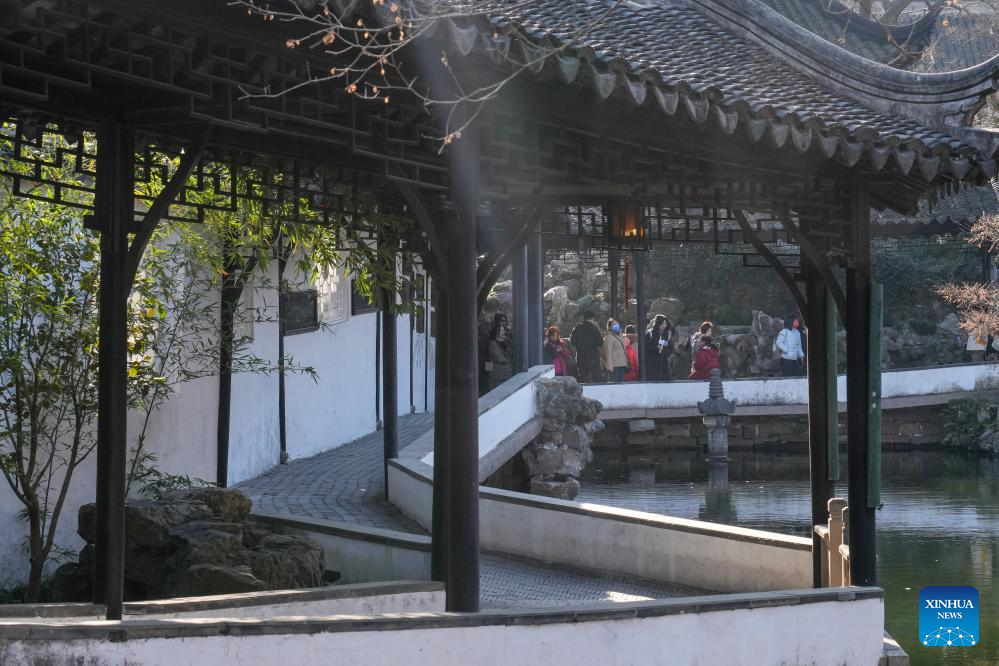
<point x="706" y="360"/>
<point x="499" y="359"/>
<point x="587" y="341"/>
<point x="656" y="348"/>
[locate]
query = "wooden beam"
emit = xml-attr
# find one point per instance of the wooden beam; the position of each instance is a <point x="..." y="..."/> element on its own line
<point x="498" y="258"/>
<point x="439" y="267"/>
<point x="166" y="197"/>
<point x="785" y="276"/>
<point x="819" y="261"/>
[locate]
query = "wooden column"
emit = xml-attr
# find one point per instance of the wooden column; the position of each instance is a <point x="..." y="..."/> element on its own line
<point x="231" y="293"/>
<point x="115" y="183"/>
<point x="823" y="430"/>
<point x="439" y="513"/>
<point x="282" y="404"/>
<point x="535" y="300"/>
<point x="638" y="261"/>
<point x="462" y="455"/>
<point x="520" y="311"/>
<point x="390" y="383"/>
<point x="612" y="266"/>
<point x="863" y="556"/>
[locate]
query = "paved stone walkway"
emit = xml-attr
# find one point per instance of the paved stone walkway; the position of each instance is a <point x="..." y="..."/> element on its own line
<point x="346" y="484"/>
<point x="507" y="581"/>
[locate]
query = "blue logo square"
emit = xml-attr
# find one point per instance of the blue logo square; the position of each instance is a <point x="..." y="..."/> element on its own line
<point x="948" y="616"/>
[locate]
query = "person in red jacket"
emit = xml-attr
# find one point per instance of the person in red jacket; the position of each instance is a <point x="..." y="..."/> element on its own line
<point x="630" y="342"/>
<point x="706" y="360"/>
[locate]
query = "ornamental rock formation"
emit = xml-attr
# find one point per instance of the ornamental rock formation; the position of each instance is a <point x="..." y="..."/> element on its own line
<point x="196" y="542"/>
<point x="559" y="453"/>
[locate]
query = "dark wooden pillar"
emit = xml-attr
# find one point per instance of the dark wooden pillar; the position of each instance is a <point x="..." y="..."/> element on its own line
<point x="115" y="182"/>
<point x="823" y="429"/>
<point x="520" y="311"/>
<point x="638" y="261"/>
<point x="613" y="265"/>
<point x="231" y="292"/>
<point x="282" y="404"/>
<point x="390" y="383"/>
<point x="535" y="299"/>
<point x="863" y="555"/>
<point x="439" y="513"/>
<point x="462" y="457"/>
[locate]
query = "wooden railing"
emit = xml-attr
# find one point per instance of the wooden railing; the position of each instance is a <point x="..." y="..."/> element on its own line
<point x="836" y="559"/>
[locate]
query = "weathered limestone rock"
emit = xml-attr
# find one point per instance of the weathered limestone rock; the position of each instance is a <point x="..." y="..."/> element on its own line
<point x="208" y="579"/>
<point x="641" y="425"/>
<point x="559" y="453"/>
<point x="671" y="307"/>
<point x="287" y="561"/>
<point x="197" y="542"/>
<point x="566" y="490"/>
<point x="556" y="302"/>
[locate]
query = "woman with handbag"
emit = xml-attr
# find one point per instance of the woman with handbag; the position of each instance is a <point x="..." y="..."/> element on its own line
<point x="615" y="352"/>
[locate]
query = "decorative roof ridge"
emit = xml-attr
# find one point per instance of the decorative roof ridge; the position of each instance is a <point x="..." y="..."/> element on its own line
<point x="872" y="27"/>
<point x="941" y="100"/>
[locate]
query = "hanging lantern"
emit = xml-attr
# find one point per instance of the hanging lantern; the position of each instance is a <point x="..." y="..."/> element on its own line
<point x="626" y="225"/>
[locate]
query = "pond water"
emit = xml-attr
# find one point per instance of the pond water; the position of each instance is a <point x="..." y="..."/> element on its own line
<point x="939" y="524"/>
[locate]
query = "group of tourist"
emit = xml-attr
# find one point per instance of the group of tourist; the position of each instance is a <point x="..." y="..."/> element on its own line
<point x="592" y="355"/>
<point x="612" y="355"/>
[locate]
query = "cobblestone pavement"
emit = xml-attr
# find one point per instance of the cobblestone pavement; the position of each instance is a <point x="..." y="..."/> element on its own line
<point x="507" y="581"/>
<point x="345" y="484"/>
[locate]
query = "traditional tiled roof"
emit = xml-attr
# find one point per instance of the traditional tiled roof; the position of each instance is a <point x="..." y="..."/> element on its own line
<point x="950" y="214"/>
<point x="717" y="63"/>
<point x="839" y="24"/>
<point x="960" y="40"/>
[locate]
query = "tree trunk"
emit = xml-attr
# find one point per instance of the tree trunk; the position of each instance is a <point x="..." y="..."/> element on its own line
<point x="36" y="554"/>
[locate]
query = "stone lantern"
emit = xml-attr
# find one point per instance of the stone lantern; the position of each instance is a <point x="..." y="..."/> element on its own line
<point x="717" y="411"/>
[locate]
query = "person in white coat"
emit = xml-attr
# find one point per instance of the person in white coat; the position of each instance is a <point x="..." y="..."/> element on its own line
<point x="788" y="343"/>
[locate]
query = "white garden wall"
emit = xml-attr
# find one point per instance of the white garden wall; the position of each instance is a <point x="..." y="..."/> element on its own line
<point x="818" y="627"/>
<point x="321" y="415"/>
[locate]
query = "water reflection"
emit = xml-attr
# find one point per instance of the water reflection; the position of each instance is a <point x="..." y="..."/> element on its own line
<point x="718" y="506"/>
<point x="939" y="525"/>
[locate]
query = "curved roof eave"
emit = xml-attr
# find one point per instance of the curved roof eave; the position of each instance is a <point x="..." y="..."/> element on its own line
<point x="941" y="100"/>
<point x="900" y="31"/>
<point x="707" y="66"/>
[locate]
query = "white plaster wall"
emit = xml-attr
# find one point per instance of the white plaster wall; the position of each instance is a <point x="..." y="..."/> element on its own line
<point x="322" y="414"/>
<point x="792" y="391"/>
<point x="948" y="379"/>
<point x="821" y="634"/>
<point x="254" y="444"/>
<point x="414" y="497"/>
<point x="181" y="434"/>
<point x="504" y="418"/>
<point x="704" y="555"/>
<point x="14" y="531"/>
<point x="341" y="406"/>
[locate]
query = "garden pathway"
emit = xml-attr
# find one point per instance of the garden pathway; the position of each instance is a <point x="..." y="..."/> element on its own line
<point x="346" y="484"/>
